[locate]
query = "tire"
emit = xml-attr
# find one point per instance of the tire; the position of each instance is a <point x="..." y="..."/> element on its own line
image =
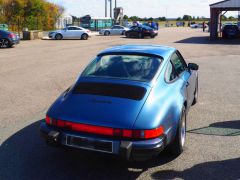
<point x="107" y="33"/>
<point x="178" y="144"/>
<point x="58" y="37"/>
<point x="127" y="35"/>
<point x="5" y="43"/>
<point x="84" y="36"/>
<point x="123" y="33"/>
<point x="195" y="100"/>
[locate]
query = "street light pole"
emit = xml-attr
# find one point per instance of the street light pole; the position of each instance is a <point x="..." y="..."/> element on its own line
<point x="105" y="8"/>
<point x="111" y="8"/>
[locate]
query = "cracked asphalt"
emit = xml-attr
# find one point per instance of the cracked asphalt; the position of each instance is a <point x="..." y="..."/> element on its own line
<point x="34" y="73"/>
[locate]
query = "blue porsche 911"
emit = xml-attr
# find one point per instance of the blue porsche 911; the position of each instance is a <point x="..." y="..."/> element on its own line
<point x="130" y="101"/>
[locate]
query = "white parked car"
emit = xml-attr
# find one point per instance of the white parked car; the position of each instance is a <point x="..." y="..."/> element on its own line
<point x="115" y="30"/>
<point x="70" y="32"/>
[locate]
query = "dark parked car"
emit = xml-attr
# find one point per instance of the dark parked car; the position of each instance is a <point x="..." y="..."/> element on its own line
<point x="141" y="32"/>
<point x="8" y="39"/>
<point x="230" y="31"/>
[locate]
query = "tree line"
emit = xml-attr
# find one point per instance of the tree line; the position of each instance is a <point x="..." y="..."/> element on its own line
<point x="184" y="18"/>
<point x="31" y="14"/>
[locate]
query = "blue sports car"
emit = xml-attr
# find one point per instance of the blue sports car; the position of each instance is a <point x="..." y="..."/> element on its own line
<point x="130" y="101"/>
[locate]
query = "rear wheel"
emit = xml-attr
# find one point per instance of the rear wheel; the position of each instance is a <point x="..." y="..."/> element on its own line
<point x="84" y="37"/>
<point x="4" y="43"/>
<point x="58" y="37"/>
<point x="178" y="144"/>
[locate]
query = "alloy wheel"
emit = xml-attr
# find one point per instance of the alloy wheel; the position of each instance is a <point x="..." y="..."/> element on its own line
<point x="4" y="43"/>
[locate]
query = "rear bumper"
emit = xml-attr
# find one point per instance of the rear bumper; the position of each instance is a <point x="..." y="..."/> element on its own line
<point x="14" y="41"/>
<point x="130" y="150"/>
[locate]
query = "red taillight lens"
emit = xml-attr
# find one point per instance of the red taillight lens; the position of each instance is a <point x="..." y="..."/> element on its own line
<point x="120" y="133"/>
<point x="11" y="36"/>
<point x="149" y="134"/>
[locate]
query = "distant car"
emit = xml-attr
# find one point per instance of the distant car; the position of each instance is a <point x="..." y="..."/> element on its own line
<point x="199" y="25"/>
<point x="141" y="32"/>
<point x="131" y="101"/>
<point x="230" y="31"/>
<point x="70" y="32"/>
<point x="8" y="39"/>
<point x="115" y="30"/>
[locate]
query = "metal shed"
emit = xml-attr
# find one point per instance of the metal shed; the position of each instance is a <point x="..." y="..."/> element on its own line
<point x="216" y="10"/>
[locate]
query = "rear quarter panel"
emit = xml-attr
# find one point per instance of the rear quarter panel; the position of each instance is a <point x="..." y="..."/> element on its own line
<point x="163" y="106"/>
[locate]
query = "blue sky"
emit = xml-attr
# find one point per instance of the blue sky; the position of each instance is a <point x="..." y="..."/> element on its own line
<point x="141" y="8"/>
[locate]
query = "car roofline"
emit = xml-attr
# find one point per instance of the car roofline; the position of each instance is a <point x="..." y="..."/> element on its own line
<point x="129" y="53"/>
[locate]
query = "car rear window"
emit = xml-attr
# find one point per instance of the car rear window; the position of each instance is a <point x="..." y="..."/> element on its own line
<point x="129" y="67"/>
<point x="112" y="90"/>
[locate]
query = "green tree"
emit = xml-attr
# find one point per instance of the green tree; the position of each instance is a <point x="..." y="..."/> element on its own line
<point x="187" y="18"/>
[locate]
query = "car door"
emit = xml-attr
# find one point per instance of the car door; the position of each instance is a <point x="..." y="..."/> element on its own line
<point x="182" y="71"/>
<point x="74" y="33"/>
<point x="119" y="30"/>
<point x="114" y="30"/>
<point x="137" y="31"/>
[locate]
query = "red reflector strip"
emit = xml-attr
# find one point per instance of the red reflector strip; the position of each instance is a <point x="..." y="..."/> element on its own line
<point x="92" y="129"/>
<point x="124" y="133"/>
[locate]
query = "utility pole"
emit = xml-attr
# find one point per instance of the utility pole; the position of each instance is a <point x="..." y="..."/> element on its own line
<point x="115" y="3"/>
<point x="110" y="8"/>
<point x="106" y="8"/>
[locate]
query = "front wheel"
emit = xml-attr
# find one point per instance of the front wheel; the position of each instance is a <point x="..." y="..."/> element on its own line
<point x="107" y="33"/>
<point x="58" y="37"/>
<point x="84" y="37"/>
<point x="4" y="43"/>
<point x="178" y="144"/>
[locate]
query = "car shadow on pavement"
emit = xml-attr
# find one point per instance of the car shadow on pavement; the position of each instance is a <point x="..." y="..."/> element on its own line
<point x="224" y="170"/>
<point x="25" y="155"/>
<point x="226" y="128"/>
<point x="206" y="40"/>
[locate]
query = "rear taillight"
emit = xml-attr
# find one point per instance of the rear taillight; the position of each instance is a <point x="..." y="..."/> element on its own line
<point x="11" y="35"/>
<point x="106" y="131"/>
<point x="146" y="31"/>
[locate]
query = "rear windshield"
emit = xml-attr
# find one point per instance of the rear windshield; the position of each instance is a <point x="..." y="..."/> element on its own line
<point x="129" y="67"/>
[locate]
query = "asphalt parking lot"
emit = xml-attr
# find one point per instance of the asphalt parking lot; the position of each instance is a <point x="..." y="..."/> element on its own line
<point x="34" y="73"/>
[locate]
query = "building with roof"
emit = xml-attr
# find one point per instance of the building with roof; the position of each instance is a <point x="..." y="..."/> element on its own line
<point x="217" y="10"/>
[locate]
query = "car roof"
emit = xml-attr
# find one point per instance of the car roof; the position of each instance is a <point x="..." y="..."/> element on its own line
<point x="157" y="50"/>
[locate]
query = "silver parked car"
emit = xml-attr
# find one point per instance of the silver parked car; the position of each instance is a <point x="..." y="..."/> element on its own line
<point x="70" y="32"/>
<point x="115" y="30"/>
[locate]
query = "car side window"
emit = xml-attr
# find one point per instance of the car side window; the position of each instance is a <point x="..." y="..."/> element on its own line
<point x="178" y="63"/>
<point x="73" y="28"/>
<point x="170" y="74"/>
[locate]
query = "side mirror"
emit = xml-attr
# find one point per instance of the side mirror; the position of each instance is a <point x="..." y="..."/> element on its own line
<point x="193" y="66"/>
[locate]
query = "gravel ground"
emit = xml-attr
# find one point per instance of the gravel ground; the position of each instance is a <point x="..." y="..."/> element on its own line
<point x="34" y="73"/>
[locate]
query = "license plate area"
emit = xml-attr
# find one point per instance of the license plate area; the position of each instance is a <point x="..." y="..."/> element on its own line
<point x="89" y="144"/>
